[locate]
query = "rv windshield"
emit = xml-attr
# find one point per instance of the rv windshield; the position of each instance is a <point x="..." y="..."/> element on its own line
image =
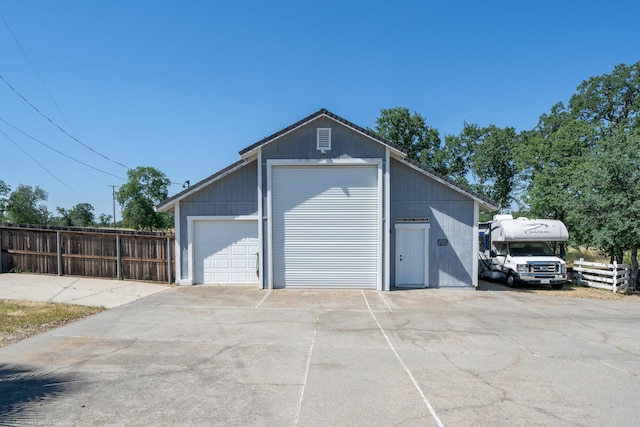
<point x="530" y="249"/>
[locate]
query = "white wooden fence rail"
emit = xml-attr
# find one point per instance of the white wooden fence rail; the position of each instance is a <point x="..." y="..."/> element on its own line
<point x="613" y="277"/>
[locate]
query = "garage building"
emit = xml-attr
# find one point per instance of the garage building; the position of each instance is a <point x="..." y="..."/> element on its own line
<point x="325" y="203"/>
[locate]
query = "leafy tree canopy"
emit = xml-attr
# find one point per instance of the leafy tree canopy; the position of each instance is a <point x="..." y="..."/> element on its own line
<point x="610" y="195"/>
<point x="81" y="215"/>
<point x="24" y="205"/>
<point x="105" y="220"/>
<point x="4" y="193"/>
<point x="145" y="188"/>
<point x="612" y="191"/>
<point x="549" y="161"/>
<point x="610" y="100"/>
<point x="582" y="163"/>
<point x="483" y="158"/>
<point x="411" y="133"/>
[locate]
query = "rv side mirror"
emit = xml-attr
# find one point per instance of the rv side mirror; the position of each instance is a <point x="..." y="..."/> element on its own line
<point x="493" y="253"/>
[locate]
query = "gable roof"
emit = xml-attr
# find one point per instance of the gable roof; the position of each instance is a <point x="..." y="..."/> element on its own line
<point x="400" y="154"/>
<point x="318" y="114"/>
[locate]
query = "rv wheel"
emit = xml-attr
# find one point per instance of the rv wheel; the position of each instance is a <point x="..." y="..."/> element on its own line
<point x="511" y="280"/>
<point x="557" y="286"/>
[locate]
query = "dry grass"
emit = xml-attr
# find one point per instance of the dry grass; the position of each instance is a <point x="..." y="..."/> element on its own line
<point x="569" y="290"/>
<point x="22" y="319"/>
<point x="576" y="291"/>
<point x="589" y="254"/>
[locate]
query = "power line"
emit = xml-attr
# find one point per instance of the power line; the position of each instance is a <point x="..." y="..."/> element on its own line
<point x="60" y="152"/>
<point x="57" y="125"/>
<point x="15" y="38"/>
<point x="24" y="52"/>
<point x="69" y="135"/>
<point x="45" y="169"/>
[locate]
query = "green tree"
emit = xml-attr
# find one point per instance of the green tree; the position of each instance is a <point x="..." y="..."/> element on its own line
<point x="5" y="190"/>
<point x="549" y="161"/>
<point x="609" y="100"/>
<point x="410" y="132"/>
<point x="64" y="219"/>
<point x="458" y="151"/>
<point x="581" y="162"/>
<point x="24" y="205"/>
<point x="483" y="158"/>
<point x="610" y="103"/>
<point x="105" y="220"/>
<point x="145" y="188"/>
<point x="611" y="195"/>
<point x="81" y="215"/>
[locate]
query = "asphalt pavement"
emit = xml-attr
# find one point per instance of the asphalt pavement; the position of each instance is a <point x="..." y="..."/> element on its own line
<point x="215" y="355"/>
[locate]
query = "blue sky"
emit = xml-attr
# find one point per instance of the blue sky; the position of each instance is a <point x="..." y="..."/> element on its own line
<point x="184" y="85"/>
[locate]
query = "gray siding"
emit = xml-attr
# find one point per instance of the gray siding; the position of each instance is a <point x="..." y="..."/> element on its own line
<point x="301" y="143"/>
<point x="233" y="195"/>
<point x="451" y="217"/>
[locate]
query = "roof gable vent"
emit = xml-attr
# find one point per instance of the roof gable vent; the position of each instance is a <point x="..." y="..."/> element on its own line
<point x="324" y="139"/>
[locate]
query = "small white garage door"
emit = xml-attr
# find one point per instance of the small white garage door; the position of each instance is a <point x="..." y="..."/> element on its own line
<point x="225" y="251"/>
<point x="325" y="226"/>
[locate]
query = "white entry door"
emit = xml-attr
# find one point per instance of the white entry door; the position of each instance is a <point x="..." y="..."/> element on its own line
<point x="412" y="255"/>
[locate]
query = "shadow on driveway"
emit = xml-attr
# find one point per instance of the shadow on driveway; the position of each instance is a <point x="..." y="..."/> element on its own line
<point x="23" y="387"/>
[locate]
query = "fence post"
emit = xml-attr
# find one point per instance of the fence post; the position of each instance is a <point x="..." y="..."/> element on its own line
<point x="59" y="250"/>
<point x="580" y="267"/>
<point x="615" y="276"/>
<point x="169" y="260"/>
<point x="118" y="266"/>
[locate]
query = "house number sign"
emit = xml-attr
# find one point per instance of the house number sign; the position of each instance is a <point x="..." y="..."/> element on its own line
<point x="412" y="219"/>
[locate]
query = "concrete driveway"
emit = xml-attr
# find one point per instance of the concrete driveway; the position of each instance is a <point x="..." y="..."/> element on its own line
<point x="209" y="355"/>
<point x="74" y="290"/>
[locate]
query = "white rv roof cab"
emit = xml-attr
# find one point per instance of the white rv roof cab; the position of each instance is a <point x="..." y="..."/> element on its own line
<point x="506" y="229"/>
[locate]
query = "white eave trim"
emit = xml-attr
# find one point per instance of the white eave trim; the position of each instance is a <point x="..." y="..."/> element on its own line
<point x="198" y="187"/>
<point x="452" y="186"/>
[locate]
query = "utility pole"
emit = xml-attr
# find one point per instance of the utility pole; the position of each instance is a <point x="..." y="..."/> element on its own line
<point x="113" y="199"/>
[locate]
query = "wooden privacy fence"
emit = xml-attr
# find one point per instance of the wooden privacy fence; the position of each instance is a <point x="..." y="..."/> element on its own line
<point x="613" y="277"/>
<point x="109" y="254"/>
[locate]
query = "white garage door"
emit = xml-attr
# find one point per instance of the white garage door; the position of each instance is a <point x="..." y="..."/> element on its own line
<point x="325" y="226"/>
<point x="225" y="251"/>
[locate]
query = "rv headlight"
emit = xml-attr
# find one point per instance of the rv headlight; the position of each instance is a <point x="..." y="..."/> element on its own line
<point x="563" y="268"/>
<point x="521" y="268"/>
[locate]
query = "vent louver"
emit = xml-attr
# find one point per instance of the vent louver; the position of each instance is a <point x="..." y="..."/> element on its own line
<point x="324" y="139"/>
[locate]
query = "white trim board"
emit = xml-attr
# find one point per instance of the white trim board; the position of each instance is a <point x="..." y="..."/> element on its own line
<point x="261" y="263"/>
<point x="386" y="223"/>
